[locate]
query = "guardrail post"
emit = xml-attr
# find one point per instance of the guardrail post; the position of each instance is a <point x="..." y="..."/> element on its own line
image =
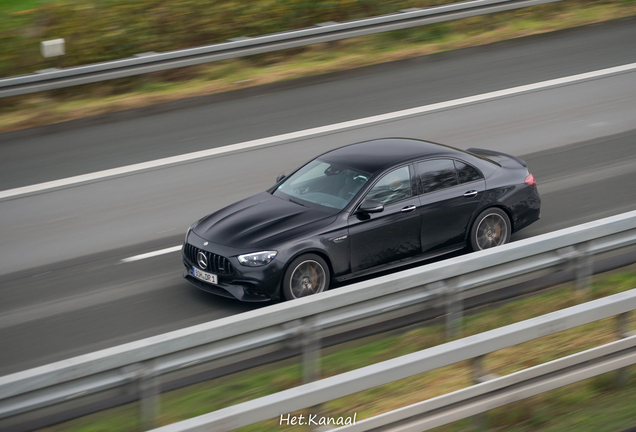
<point x="149" y="396"/>
<point x="479" y="420"/>
<point x="311" y="357"/>
<point x="622" y="375"/>
<point x="311" y="351"/>
<point x="583" y="269"/>
<point x="454" y="310"/>
<point x="478" y="369"/>
<point x="304" y="334"/>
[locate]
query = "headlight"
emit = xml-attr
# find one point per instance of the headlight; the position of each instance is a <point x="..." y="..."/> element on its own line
<point x="257" y="258"/>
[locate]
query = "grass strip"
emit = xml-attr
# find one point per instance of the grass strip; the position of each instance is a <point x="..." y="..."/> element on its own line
<point x="129" y="93"/>
<point x="12" y="6"/>
<point x="597" y="400"/>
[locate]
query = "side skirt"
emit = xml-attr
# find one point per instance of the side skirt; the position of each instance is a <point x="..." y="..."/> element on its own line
<point x="400" y="263"/>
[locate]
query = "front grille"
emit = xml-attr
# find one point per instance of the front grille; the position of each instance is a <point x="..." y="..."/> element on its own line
<point x="216" y="263"/>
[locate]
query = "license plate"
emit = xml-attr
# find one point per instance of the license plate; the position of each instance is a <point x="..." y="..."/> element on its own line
<point x="204" y="276"/>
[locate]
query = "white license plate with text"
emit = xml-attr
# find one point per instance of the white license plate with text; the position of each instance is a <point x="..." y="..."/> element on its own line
<point x="204" y="276"/>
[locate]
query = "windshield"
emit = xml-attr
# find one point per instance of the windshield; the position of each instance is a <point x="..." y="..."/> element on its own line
<point x="323" y="183"/>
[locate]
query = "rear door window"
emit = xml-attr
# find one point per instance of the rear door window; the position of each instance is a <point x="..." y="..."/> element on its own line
<point x="436" y="174"/>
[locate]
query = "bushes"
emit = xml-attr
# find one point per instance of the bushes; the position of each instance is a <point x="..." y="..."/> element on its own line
<point x="102" y="30"/>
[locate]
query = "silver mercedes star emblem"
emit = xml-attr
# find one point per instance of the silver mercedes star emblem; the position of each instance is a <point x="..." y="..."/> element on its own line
<point x="202" y="260"/>
<point x="205" y="244"/>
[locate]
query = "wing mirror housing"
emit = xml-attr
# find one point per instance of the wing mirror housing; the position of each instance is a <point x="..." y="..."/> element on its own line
<point x="370" y="206"/>
<point x="280" y="178"/>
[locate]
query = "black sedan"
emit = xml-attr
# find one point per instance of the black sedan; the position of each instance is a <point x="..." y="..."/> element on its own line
<point x="357" y="210"/>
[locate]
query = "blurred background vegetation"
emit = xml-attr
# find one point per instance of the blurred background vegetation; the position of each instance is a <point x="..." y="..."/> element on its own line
<point x="102" y="30"/>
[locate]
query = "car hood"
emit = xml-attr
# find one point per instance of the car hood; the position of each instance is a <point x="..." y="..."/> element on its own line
<point x="262" y="220"/>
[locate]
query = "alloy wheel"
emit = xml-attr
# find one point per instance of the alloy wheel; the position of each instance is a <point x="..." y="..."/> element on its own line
<point x="307" y="278"/>
<point x="492" y="231"/>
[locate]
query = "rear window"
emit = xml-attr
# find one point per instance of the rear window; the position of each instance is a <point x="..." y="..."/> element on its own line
<point x="466" y="173"/>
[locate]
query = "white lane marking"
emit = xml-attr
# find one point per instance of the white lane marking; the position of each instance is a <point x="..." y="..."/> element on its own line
<point x="152" y="254"/>
<point x="261" y="142"/>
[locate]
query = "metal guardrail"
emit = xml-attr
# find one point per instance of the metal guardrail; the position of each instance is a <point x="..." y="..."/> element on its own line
<point x="327" y="32"/>
<point x="500" y="391"/>
<point x="445" y="409"/>
<point x="142" y="366"/>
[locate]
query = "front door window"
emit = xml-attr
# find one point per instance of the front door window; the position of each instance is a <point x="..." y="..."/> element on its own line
<point x="393" y="187"/>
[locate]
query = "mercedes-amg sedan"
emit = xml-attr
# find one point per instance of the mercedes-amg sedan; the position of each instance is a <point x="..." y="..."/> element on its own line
<point x="356" y="210"/>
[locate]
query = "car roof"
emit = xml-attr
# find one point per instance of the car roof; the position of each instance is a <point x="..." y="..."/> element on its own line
<point x="379" y="154"/>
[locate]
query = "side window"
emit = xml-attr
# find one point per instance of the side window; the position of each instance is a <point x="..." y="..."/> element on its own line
<point x="466" y="173"/>
<point x="393" y="187"/>
<point x="436" y="174"/>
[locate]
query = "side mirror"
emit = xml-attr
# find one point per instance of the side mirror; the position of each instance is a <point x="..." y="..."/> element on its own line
<point x="280" y="178"/>
<point x="371" y="206"/>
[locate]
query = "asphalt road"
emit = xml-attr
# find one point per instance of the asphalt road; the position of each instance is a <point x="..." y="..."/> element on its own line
<point x="65" y="290"/>
<point x="49" y="153"/>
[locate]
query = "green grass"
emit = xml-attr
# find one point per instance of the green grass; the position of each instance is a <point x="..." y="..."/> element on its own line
<point x="593" y="405"/>
<point x="597" y="400"/>
<point x="20" y="5"/>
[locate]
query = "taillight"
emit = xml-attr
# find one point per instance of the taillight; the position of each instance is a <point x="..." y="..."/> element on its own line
<point x="530" y="181"/>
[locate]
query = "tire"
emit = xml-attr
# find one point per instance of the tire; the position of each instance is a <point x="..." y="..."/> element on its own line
<point x="491" y="228"/>
<point x="306" y="275"/>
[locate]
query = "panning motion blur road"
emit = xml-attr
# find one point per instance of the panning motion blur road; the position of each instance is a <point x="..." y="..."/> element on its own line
<point x="64" y="288"/>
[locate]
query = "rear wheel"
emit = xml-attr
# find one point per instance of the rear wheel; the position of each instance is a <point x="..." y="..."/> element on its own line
<point x="491" y="228"/>
<point x="306" y="275"/>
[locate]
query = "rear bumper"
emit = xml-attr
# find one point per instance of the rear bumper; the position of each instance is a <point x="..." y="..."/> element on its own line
<point x="528" y="209"/>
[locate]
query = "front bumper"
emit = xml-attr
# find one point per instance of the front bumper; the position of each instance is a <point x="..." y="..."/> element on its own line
<point x="249" y="284"/>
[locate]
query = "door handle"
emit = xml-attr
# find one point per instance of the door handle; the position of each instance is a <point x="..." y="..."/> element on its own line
<point x="471" y="193"/>
<point x="408" y="208"/>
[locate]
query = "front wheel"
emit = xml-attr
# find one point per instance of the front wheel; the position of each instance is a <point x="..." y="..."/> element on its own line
<point x="306" y="275"/>
<point x="491" y="228"/>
